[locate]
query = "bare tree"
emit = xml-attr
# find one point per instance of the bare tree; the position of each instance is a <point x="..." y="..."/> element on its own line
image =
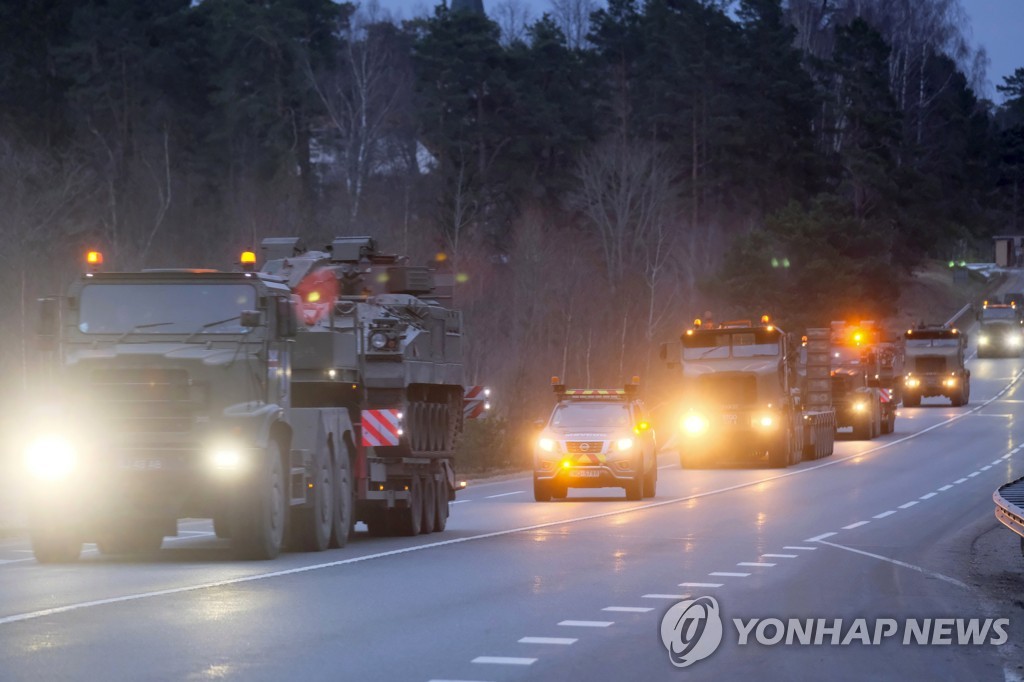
<point x="573" y="17"/>
<point x="513" y="16"/>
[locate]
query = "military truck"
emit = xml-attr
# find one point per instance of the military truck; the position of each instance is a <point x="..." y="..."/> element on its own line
<point x="1000" y="333"/>
<point x="934" y="365"/>
<point x="865" y="379"/>
<point x="741" y="398"/>
<point x="245" y="397"/>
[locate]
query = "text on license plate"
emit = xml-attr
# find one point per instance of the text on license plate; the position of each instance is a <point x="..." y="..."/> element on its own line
<point x="584" y="473"/>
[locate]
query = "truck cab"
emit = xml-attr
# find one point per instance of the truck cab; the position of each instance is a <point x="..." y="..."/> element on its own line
<point x="934" y="366"/>
<point x="1000" y="333"/>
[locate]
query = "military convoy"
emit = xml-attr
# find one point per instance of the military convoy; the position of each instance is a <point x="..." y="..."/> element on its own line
<point x="284" y="403"/>
<point x="866" y="373"/>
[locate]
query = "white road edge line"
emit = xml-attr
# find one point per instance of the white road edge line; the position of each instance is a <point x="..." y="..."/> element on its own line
<point x="897" y="562"/>
<point x="629" y="609"/>
<point x="856" y="525"/>
<point x="42" y="613"/>
<point x="548" y="640"/>
<point x="818" y="538"/>
<point x="515" y="492"/>
<point x="884" y="514"/>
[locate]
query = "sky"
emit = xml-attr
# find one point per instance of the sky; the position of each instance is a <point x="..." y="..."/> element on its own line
<point x="996" y="25"/>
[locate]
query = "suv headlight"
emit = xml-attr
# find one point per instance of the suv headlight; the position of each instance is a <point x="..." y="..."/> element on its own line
<point x="546" y="444"/>
<point x="624" y="444"/>
<point x="695" y="424"/>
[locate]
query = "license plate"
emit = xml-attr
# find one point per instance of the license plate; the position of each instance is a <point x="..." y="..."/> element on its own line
<point x="584" y="473"/>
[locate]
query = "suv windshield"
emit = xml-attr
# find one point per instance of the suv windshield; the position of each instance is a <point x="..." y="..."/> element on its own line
<point x="164" y="308"/>
<point x="574" y="415"/>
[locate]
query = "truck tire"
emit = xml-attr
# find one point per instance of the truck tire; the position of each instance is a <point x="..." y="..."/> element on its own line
<point x="541" y="490"/>
<point x="779" y="451"/>
<point x="344" y="501"/>
<point x="261" y="510"/>
<point x="312" y="525"/>
<point x="222" y="524"/>
<point x="862" y="429"/>
<point x="957" y="399"/>
<point x="651" y="481"/>
<point x="911" y="400"/>
<point x="441" y="509"/>
<point x="635" y="488"/>
<point x="409" y="520"/>
<point x="55" y="543"/>
<point x="429" y="504"/>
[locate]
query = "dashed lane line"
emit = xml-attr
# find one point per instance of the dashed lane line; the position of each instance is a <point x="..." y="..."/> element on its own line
<point x="700" y="584"/>
<point x="986" y="467"/>
<point x="856" y="525"/>
<point x="818" y="538"/>
<point x="973" y="474"/>
<point x="944" y="488"/>
<point x="587" y="623"/>
<point x="729" y="574"/>
<point x="884" y="514"/>
<point x="629" y="609"/>
<point x="908" y="505"/>
<point x="504" y="660"/>
<point x="755" y="564"/>
<point x="666" y="596"/>
<point x="959" y="481"/>
<point x="798" y="547"/>
<point x="564" y="641"/>
<point x="780" y="556"/>
<point x="927" y="496"/>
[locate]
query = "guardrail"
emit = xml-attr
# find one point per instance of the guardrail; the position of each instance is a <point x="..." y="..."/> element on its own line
<point x="1009" y="501"/>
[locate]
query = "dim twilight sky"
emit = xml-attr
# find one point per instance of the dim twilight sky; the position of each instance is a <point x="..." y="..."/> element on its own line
<point x="996" y="25"/>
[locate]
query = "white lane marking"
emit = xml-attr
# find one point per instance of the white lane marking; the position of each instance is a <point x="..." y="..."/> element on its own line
<point x="700" y="584"/>
<point x="454" y="681"/>
<point x="959" y="480"/>
<point x="945" y="488"/>
<point x="516" y="492"/>
<point x="587" y="623"/>
<point x="727" y="574"/>
<point x="192" y="532"/>
<point x="995" y="462"/>
<point x="809" y="549"/>
<point x="1008" y="456"/>
<point x="500" y="533"/>
<point x="986" y="467"/>
<point x="548" y="640"/>
<point x="665" y="596"/>
<point x="897" y="562"/>
<point x="14" y="561"/>
<point x="780" y="556"/>
<point x="629" y="609"/>
<point x="755" y="563"/>
<point x="972" y="475"/>
<point x="856" y="525"/>
<point x="908" y="505"/>
<point x="459" y="501"/>
<point x="884" y="514"/>
<point x="927" y="496"/>
<point x="504" y="660"/>
<point x="816" y="538"/>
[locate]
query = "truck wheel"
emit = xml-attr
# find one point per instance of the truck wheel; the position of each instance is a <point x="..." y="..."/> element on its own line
<point x="861" y="430"/>
<point x="651" y="481"/>
<point x="778" y="451"/>
<point x="222" y="525"/>
<point x="911" y="400"/>
<point x="441" y="508"/>
<point x="344" y="501"/>
<point x="312" y="525"/>
<point x="429" y="504"/>
<point x="410" y="519"/>
<point x="541" y="490"/>
<point x="53" y="543"/>
<point x="635" y="488"/>
<point x="257" y="529"/>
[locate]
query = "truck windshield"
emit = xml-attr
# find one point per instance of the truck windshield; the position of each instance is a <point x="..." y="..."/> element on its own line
<point x="164" y="308"/>
<point x="745" y="344"/>
<point x="998" y="314"/>
<point x="932" y="343"/>
<point x="573" y="415"/>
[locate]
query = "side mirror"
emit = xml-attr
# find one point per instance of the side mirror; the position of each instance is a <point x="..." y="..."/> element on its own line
<point x="250" y="318"/>
<point x="48" y="324"/>
<point x="287" y="323"/>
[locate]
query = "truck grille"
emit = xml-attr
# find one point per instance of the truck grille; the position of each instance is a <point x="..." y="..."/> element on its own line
<point x="728" y="390"/>
<point x="584" y="447"/>
<point x="930" y="364"/>
<point x="144" y="400"/>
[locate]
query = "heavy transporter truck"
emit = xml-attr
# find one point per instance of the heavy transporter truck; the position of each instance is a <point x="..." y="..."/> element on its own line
<point x="284" y="403"/>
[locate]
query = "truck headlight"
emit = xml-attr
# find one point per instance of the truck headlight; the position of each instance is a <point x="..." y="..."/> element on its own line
<point x="982" y="340"/>
<point x="378" y="340"/>
<point x="1014" y="340"/>
<point x="860" y="406"/>
<point x="911" y="382"/>
<point x="226" y="459"/>
<point x="695" y="424"/>
<point x="50" y="458"/>
<point x="949" y="383"/>
<point x="546" y="444"/>
<point x="764" y="421"/>
<point x="624" y="444"/>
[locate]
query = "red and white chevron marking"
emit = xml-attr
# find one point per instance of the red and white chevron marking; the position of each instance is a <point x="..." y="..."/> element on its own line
<point x="474" y="403"/>
<point x="885" y="394"/>
<point x="381" y="427"/>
